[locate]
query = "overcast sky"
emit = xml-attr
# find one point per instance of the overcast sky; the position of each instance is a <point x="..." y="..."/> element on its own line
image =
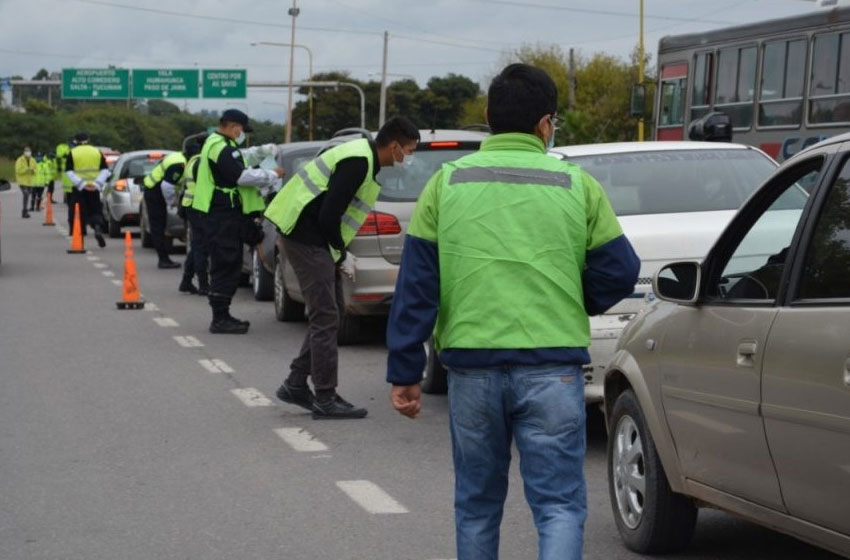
<point x="427" y="37"/>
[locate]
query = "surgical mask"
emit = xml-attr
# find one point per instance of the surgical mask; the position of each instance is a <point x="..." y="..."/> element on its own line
<point x="551" y="143"/>
<point x="240" y="139"/>
<point x="405" y="161"/>
<point x="27" y="153"/>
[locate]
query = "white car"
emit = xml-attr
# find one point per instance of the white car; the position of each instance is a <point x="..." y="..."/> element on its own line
<point x="673" y="199"/>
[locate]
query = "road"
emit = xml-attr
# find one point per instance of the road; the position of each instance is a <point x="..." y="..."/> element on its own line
<point x="140" y="435"/>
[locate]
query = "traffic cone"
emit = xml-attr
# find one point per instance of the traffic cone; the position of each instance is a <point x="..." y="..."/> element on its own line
<point x="77" y="233"/>
<point x="130" y="290"/>
<point x="48" y="215"/>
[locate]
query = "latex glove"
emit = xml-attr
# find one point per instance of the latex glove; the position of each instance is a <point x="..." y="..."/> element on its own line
<point x="169" y="192"/>
<point x="349" y="265"/>
<point x="269" y="150"/>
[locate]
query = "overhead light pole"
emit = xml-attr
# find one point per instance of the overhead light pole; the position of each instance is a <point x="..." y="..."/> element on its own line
<point x="640" y="68"/>
<point x="310" y="70"/>
<point x="293" y="11"/>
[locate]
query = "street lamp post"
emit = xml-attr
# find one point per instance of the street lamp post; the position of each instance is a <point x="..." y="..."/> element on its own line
<point x="293" y="11"/>
<point x="640" y="68"/>
<point x="310" y="70"/>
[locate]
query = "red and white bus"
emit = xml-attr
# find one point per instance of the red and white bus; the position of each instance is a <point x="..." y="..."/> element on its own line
<point x="784" y="83"/>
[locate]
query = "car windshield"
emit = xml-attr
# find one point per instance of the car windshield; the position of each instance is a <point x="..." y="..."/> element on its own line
<point x="676" y="181"/>
<point x="139" y="167"/>
<point x="406" y="184"/>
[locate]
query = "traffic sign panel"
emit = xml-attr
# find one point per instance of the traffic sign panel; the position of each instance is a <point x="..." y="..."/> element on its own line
<point x="225" y="83"/>
<point x="95" y="83"/>
<point x="165" y="83"/>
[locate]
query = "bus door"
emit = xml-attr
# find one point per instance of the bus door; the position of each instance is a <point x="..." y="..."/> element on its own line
<point x="670" y="124"/>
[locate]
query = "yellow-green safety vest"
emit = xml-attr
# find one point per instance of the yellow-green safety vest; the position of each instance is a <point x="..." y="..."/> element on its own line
<point x="205" y="183"/>
<point x="62" y="151"/>
<point x="43" y="172"/>
<point x="312" y="180"/>
<point x="157" y="174"/>
<point x="25" y="171"/>
<point x="189" y="182"/>
<point x="86" y="162"/>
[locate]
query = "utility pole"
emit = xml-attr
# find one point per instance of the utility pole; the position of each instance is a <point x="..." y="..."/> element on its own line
<point x="640" y="69"/>
<point x="571" y="98"/>
<point x="293" y="11"/>
<point x="382" y="109"/>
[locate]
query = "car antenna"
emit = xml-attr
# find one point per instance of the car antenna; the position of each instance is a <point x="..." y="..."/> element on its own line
<point x="434" y="121"/>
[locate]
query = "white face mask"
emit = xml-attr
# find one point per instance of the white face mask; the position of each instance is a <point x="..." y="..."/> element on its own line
<point x="405" y="161"/>
<point x="240" y="139"/>
<point x="27" y="153"/>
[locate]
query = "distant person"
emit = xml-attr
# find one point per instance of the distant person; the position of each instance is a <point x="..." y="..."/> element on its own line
<point x="507" y="253"/>
<point x="319" y="211"/>
<point x="160" y="193"/>
<point x="62" y="151"/>
<point x="52" y="166"/>
<point x="197" y="259"/>
<point x="227" y="193"/>
<point x="42" y="170"/>
<point x="87" y="170"/>
<point x="25" y="176"/>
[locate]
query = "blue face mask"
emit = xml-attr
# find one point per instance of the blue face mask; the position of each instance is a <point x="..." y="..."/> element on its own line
<point x="551" y="143"/>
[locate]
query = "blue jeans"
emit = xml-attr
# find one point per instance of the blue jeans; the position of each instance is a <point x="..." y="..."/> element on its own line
<point x="543" y="408"/>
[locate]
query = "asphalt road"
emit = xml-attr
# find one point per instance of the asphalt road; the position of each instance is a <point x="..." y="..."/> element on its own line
<point x="119" y="441"/>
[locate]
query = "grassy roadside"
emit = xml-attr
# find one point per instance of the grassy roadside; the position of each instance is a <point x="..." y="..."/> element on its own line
<point x="7" y="169"/>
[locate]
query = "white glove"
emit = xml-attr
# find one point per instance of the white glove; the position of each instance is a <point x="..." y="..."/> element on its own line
<point x="349" y="265"/>
<point x="267" y="150"/>
<point x="169" y="192"/>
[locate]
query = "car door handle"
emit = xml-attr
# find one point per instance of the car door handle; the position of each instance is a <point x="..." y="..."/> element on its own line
<point x="746" y="350"/>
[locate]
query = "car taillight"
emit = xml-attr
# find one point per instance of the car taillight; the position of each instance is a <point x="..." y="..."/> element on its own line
<point x="444" y="144"/>
<point x="120" y="184"/>
<point x="380" y="223"/>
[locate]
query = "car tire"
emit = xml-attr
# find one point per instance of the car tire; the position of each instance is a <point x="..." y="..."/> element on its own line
<point x="286" y="309"/>
<point x="262" y="283"/>
<point x="144" y="234"/>
<point x="651" y="518"/>
<point x="114" y="227"/>
<point x="349" y="330"/>
<point x="435" y="378"/>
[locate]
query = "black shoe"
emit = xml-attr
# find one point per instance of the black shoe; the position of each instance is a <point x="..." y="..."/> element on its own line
<point x="203" y="290"/>
<point x="101" y="242"/>
<point x="232" y="318"/>
<point x="168" y="264"/>
<point x="187" y="287"/>
<point x="25" y="214"/>
<point x="337" y="408"/>
<point x="300" y="396"/>
<point x="228" y="325"/>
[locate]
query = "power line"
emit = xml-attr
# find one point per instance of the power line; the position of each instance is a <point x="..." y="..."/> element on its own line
<point x="594" y="11"/>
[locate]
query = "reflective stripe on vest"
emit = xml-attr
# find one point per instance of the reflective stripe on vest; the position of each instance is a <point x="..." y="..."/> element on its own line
<point x="312" y="180"/>
<point x="189" y="182"/>
<point x="157" y="174"/>
<point x="249" y="197"/>
<point x="86" y="162"/>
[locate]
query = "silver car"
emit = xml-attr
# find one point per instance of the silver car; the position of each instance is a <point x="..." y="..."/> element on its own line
<point x="175" y="226"/>
<point x="379" y="242"/>
<point x="122" y="194"/>
<point x="733" y="391"/>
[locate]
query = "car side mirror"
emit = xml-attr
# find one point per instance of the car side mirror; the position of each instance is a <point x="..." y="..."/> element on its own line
<point x="678" y="282"/>
<point x="4" y="185"/>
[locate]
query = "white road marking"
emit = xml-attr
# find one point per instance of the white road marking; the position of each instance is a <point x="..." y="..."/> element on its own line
<point x="100" y="264"/>
<point x="165" y="322"/>
<point x="370" y="497"/>
<point x="300" y="440"/>
<point x="251" y="397"/>
<point x="117" y="282"/>
<point x="188" y="341"/>
<point x="93" y="258"/>
<point x="151" y="306"/>
<point x="216" y="366"/>
<point x="108" y="273"/>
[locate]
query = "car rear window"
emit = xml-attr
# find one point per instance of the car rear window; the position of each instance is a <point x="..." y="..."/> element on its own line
<point x="139" y="167"/>
<point x="407" y="184"/>
<point x="666" y="182"/>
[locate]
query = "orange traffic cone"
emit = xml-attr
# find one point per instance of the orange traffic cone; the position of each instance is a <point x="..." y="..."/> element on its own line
<point x="130" y="290"/>
<point x="48" y="216"/>
<point x="77" y="233"/>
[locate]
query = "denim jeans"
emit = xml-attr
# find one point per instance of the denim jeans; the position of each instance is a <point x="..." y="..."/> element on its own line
<point x="542" y="408"/>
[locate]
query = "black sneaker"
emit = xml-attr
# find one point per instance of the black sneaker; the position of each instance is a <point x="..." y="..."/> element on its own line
<point x="168" y="264"/>
<point x="187" y="287"/>
<point x="101" y="242"/>
<point x="232" y="318"/>
<point x="337" y="408"/>
<point x="299" y="396"/>
<point x="25" y="214"/>
<point x="228" y="325"/>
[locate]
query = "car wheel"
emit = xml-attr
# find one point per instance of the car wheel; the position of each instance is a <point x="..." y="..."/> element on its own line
<point x="286" y="309"/>
<point x="349" y="330"/>
<point x="144" y="234"/>
<point x="262" y="282"/>
<point x="114" y="227"/>
<point x="435" y="379"/>
<point x="651" y="518"/>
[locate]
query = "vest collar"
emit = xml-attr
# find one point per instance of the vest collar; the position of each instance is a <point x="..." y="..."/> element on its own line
<point x="516" y="141"/>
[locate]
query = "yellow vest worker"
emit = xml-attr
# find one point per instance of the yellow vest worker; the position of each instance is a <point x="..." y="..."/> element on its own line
<point x="160" y="192"/>
<point x="25" y="170"/>
<point x="196" y="258"/>
<point x="86" y="168"/>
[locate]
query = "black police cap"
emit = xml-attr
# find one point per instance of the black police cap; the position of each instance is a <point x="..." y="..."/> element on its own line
<point x="236" y="116"/>
<point x="81" y="136"/>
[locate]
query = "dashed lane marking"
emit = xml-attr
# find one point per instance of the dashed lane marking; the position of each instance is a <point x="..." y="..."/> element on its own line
<point x="93" y="258"/>
<point x="188" y="341"/>
<point x="108" y="273"/>
<point x="370" y="497"/>
<point x="151" y="306"/>
<point x="300" y="440"/>
<point x="117" y="282"/>
<point x="215" y="366"/>
<point x="100" y="265"/>
<point x="251" y="397"/>
<point x="165" y="322"/>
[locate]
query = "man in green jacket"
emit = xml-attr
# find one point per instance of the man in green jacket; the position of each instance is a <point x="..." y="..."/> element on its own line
<point x="25" y="176"/>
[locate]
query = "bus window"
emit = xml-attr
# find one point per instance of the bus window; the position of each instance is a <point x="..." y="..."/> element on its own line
<point x="781" y="95"/>
<point x="736" y="80"/>
<point x="829" y="93"/>
<point x="673" y="102"/>
<point x="701" y="95"/>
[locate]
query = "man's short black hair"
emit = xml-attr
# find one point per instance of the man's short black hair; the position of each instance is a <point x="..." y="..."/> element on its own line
<point x="519" y="97"/>
<point x="397" y="129"/>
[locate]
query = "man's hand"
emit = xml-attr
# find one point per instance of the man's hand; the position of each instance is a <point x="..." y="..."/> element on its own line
<point x="349" y="265"/>
<point x="407" y="399"/>
<point x="90" y="187"/>
<point x="280" y="172"/>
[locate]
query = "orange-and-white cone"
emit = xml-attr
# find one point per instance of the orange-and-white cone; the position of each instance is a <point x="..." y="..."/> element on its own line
<point x="48" y="215"/>
<point x="77" y="233"/>
<point x="130" y="298"/>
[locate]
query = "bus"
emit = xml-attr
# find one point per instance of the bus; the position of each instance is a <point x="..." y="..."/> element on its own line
<point x="783" y="83"/>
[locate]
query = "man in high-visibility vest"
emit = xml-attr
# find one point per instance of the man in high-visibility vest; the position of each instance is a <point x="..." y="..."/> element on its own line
<point x="53" y="169"/>
<point x="227" y="193"/>
<point x="87" y="170"/>
<point x="319" y="211"/>
<point x="62" y="151"/>
<point x="160" y="193"/>
<point x="25" y="171"/>
<point x="197" y="257"/>
<point x="507" y="253"/>
<point x="42" y="176"/>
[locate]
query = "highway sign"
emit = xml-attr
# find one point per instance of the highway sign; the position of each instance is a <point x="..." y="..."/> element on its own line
<point x="161" y="84"/>
<point x="229" y="84"/>
<point x="95" y="83"/>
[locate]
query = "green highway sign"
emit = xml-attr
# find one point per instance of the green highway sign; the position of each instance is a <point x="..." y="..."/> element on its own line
<point x="225" y="83"/>
<point x="162" y="84"/>
<point x="95" y="83"/>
